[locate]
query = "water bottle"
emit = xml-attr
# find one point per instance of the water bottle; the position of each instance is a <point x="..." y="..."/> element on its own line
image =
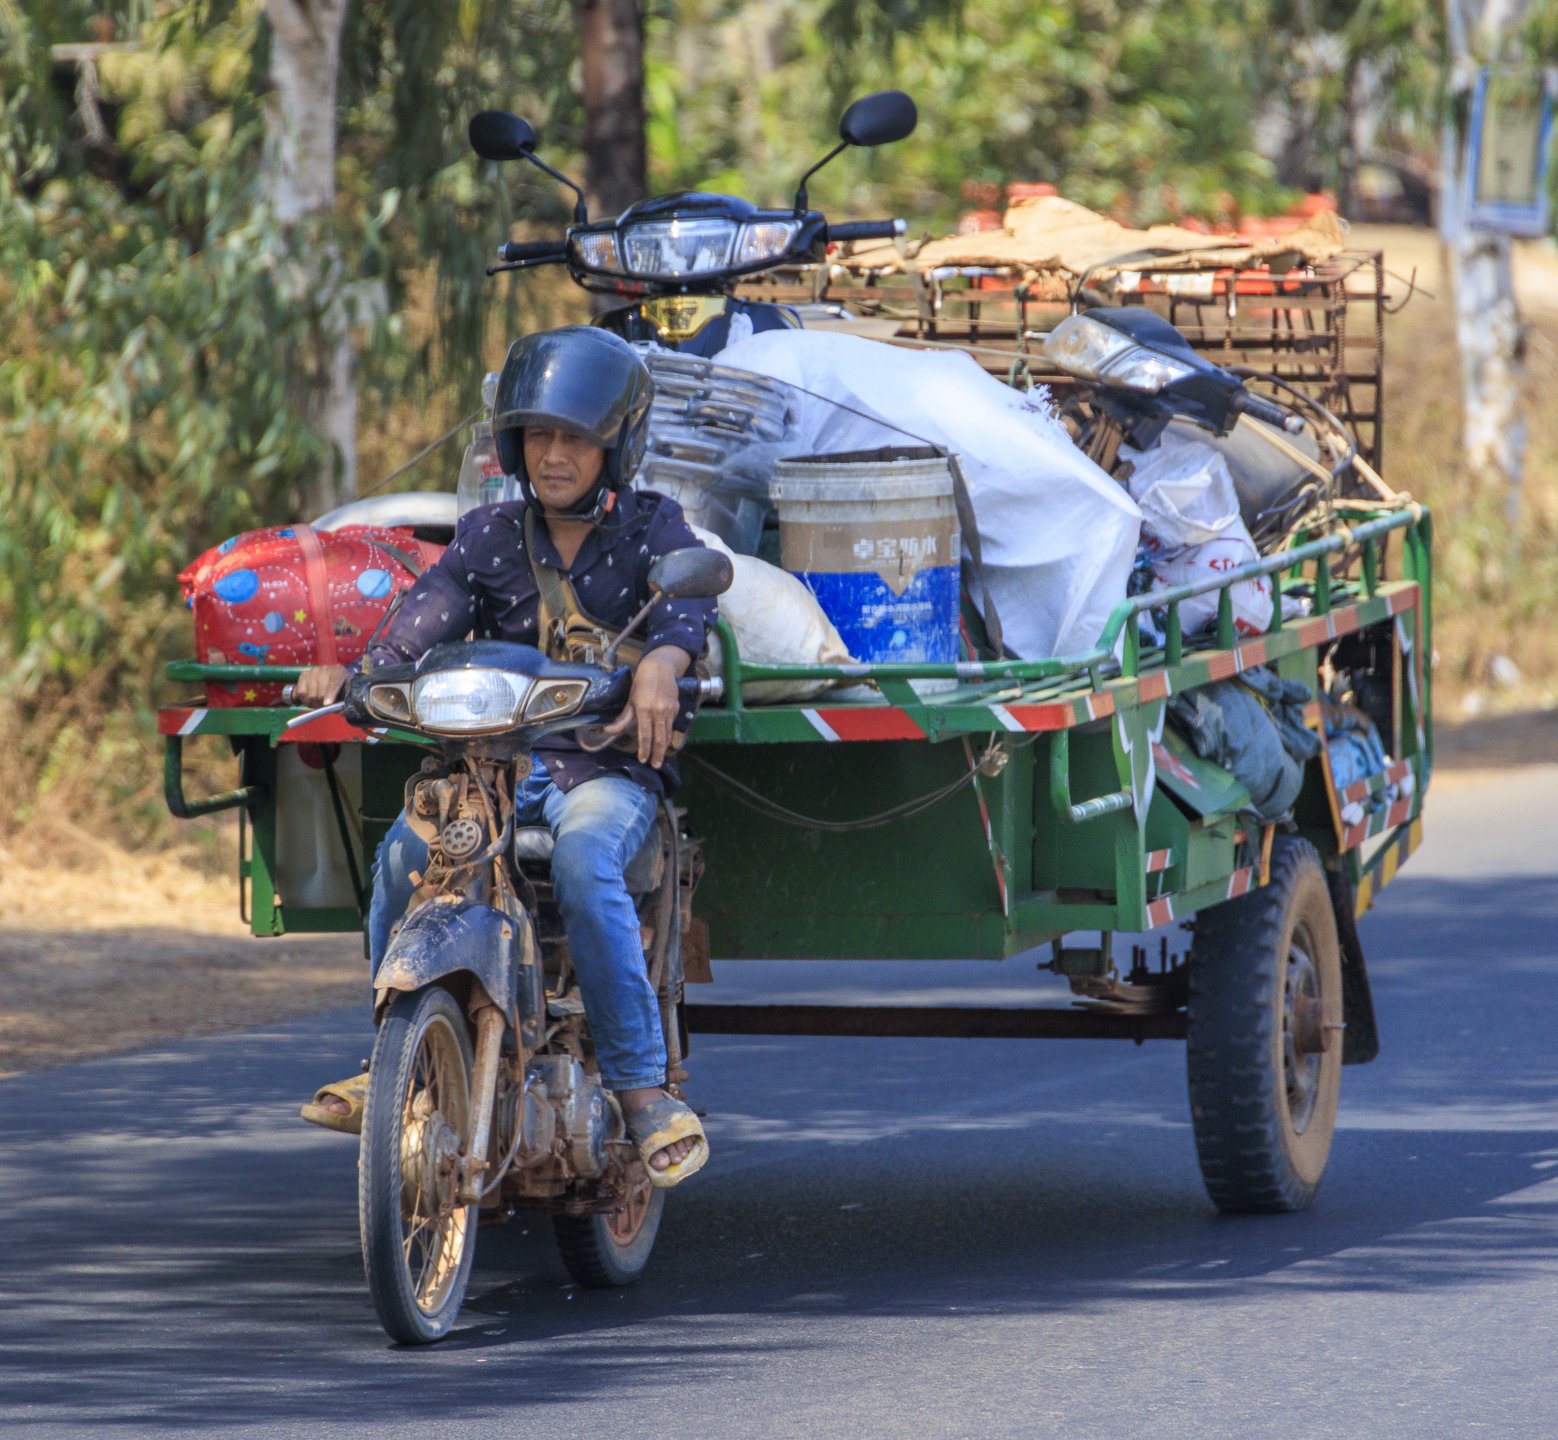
<point x="482" y="481"/>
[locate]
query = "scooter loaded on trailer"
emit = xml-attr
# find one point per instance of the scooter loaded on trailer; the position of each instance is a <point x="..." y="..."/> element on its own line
<point x="1205" y="705"/>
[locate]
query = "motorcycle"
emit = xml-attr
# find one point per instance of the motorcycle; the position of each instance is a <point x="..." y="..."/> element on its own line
<point x="677" y="258"/>
<point x="1142" y="381"/>
<point x="483" y="1093"/>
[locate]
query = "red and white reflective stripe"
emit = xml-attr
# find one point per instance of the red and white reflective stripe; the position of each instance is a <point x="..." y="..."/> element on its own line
<point x="1359" y="789"/>
<point x="1156" y="686"/>
<point x="1055" y="715"/>
<point x="179" y="722"/>
<point x="326" y="730"/>
<point x="1377" y="824"/>
<point x="1160" y="912"/>
<point x="1241" y="882"/>
<point x="866" y="722"/>
<point x="1159" y="860"/>
<point x="820" y="725"/>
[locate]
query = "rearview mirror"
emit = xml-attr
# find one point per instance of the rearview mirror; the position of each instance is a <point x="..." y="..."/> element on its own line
<point x="879" y="119"/>
<point x="497" y="135"/>
<point x="695" y="573"/>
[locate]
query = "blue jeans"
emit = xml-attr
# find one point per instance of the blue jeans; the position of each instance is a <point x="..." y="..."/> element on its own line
<point x="597" y="828"/>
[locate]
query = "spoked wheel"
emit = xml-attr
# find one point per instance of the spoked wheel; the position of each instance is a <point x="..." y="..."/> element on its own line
<point x="417" y="1242"/>
<point x="602" y="1251"/>
<point x="1264" y="1032"/>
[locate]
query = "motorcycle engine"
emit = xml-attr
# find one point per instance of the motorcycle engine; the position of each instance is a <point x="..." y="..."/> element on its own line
<point x="585" y="1117"/>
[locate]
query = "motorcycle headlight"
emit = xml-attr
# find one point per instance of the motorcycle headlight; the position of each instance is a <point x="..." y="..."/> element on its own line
<point x="672" y="248"/>
<point x="468" y="702"/>
<point x="598" y="251"/>
<point x="1143" y="369"/>
<point x="560" y="697"/>
<point x="765" y="240"/>
<point x="1092" y="350"/>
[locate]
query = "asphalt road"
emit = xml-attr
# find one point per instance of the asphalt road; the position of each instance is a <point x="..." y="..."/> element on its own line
<point x="918" y="1238"/>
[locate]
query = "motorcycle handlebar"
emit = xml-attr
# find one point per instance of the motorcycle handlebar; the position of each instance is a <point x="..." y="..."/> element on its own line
<point x="1246" y="402"/>
<point x="511" y="250"/>
<point x="867" y="230"/>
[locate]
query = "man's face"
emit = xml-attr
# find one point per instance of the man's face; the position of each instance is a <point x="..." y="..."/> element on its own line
<point x="563" y="468"/>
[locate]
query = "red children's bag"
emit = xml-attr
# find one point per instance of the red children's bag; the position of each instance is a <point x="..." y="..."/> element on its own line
<point x="296" y="596"/>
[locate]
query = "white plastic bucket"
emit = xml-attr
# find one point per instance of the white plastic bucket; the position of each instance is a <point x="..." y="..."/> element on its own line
<point x="874" y="535"/>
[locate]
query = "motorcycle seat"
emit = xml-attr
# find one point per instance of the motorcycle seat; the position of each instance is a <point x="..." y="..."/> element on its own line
<point x="642" y="875"/>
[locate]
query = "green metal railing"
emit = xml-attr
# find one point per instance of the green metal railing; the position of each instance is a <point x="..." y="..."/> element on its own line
<point x="1369" y="534"/>
<point x="1120" y="635"/>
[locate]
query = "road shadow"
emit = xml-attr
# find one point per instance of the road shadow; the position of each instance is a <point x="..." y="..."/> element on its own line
<point x="181" y="1248"/>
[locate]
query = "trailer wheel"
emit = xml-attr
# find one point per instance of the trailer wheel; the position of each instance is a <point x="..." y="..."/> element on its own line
<point x="1265" y="1051"/>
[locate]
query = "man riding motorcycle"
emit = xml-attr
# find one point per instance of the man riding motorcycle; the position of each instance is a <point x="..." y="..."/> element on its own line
<point x="564" y="570"/>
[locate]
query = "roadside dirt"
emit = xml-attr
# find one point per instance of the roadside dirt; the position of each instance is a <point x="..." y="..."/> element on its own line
<point x="110" y="952"/>
<point x="107" y="951"/>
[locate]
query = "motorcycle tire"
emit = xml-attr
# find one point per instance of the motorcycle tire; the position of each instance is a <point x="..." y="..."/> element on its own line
<point x="602" y="1252"/>
<point x="417" y="1244"/>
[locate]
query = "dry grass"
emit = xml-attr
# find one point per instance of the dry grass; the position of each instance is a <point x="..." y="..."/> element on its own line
<point x="105" y="949"/>
<point x="1496" y="585"/>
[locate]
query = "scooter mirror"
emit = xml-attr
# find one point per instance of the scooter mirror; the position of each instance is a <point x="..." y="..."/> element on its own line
<point x="695" y="573"/>
<point x="497" y="135"/>
<point x="879" y="119"/>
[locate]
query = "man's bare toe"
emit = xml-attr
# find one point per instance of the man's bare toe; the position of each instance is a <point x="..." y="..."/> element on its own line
<point x="335" y="1105"/>
<point x="672" y="1154"/>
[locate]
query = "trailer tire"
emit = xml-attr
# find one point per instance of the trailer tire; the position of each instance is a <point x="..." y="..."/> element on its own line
<point x="1264" y="1050"/>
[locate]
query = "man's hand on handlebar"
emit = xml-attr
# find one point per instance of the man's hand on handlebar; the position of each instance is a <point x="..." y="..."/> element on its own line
<point x="653" y="704"/>
<point x="320" y="685"/>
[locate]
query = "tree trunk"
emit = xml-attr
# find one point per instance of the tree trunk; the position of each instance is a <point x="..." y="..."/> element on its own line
<point x="1487" y="326"/>
<point x="300" y="185"/>
<point x="1487" y="319"/>
<point x="611" y="49"/>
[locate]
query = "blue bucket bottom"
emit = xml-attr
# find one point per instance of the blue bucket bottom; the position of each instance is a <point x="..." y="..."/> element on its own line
<point x="918" y="626"/>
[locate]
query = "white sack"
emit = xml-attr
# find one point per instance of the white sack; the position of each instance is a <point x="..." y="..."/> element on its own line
<point x="1192" y="530"/>
<point x="776" y="621"/>
<point x="1057" y="535"/>
<point x="1251" y="598"/>
<point x="1185" y="491"/>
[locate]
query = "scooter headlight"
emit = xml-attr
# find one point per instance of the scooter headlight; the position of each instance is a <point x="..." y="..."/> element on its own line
<point x="1085" y="347"/>
<point x="670" y="249"/>
<point x="468" y="702"/>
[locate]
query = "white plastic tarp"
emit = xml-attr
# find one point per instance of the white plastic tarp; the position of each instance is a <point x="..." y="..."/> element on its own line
<point x="1057" y="535"/>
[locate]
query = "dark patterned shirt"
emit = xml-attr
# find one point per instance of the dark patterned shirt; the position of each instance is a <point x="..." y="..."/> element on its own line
<point x="483" y="583"/>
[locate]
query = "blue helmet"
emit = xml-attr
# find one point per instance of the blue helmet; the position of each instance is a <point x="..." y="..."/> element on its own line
<point x="581" y="379"/>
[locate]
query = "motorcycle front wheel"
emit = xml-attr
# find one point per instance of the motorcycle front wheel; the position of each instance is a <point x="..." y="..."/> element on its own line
<point x="417" y="1242"/>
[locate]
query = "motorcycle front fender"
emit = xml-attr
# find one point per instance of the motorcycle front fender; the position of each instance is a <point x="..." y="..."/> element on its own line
<point x="453" y="936"/>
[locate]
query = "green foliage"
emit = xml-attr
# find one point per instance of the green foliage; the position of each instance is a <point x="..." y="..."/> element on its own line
<point x="145" y="299"/>
<point x="1148" y="103"/>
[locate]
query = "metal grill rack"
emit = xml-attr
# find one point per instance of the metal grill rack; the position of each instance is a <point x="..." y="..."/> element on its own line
<point x="704" y="419"/>
<point x="1320" y="327"/>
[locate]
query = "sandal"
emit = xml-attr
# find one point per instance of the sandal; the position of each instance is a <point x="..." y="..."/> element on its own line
<point x="353" y="1093"/>
<point x="663" y="1122"/>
